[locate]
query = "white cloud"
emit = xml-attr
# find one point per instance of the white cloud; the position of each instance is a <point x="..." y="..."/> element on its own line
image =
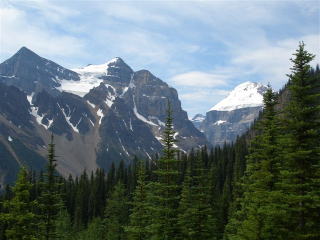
<point x="135" y="12"/>
<point x="200" y="100"/>
<point x="271" y="62"/>
<point x="17" y="30"/>
<point x="202" y="95"/>
<point x="199" y="79"/>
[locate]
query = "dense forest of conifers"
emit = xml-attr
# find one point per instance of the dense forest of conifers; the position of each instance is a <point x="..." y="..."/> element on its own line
<point x="264" y="186"/>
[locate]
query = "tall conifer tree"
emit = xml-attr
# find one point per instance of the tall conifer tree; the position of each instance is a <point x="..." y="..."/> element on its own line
<point x="301" y="150"/>
<point x="50" y="199"/>
<point x="257" y="214"/>
<point x="164" y="195"/>
<point x="20" y="217"/>
<point x="139" y="217"/>
<point x="116" y="213"/>
<point x="195" y="219"/>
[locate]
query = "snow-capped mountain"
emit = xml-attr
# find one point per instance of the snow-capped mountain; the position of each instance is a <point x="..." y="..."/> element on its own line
<point x="247" y="94"/>
<point x="232" y="116"/>
<point x="99" y="114"/>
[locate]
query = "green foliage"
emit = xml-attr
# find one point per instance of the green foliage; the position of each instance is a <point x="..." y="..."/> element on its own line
<point x="139" y="217"/>
<point x="195" y="218"/>
<point x="116" y="214"/>
<point x="257" y="213"/>
<point x="19" y="212"/>
<point x="280" y="189"/>
<point x="50" y="202"/>
<point x="164" y="193"/>
<point x="301" y="150"/>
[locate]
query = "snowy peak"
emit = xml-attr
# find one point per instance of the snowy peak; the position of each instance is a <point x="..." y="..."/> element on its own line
<point x="102" y="68"/>
<point x="247" y="94"/>
<point x="92" y="76"/>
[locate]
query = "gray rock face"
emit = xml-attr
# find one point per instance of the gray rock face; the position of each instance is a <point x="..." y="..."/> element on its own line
<point x="224" y="126"/>
<point x="233" y="115"/>
<point x="197" y="120"/>
<point x="32" y="73"/>
<point x="120" y="118"/>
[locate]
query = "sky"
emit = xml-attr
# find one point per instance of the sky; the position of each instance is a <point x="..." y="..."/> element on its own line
<point x="202" y="48"/>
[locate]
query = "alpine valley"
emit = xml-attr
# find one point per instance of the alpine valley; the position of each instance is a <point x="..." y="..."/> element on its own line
<point x="99" y="114"/>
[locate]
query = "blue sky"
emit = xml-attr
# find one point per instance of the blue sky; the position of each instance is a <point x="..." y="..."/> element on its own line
<point x="202" y="48"/>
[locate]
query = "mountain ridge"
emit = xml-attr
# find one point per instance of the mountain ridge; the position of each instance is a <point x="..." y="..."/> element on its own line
<point x="119" y="113"/>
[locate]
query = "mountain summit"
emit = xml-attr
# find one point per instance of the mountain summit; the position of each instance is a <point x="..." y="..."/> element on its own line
<point x="232" y="116"/>
<point x="247" y="94"/>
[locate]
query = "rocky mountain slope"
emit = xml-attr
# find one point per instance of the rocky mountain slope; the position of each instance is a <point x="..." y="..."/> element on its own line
<point x="99" y="114"/>
<point x="232" y="116"/>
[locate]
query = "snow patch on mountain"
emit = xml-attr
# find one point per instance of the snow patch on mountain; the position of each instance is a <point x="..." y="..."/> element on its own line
<point x="219" y="122"/>
<point x="68" y="117"/>
<point x="100" y="114"/>
<point x="34" y="112"/>
<point x="91" y="104"/>
<point x="247" y="94"/>
<point x="198" y="118"/>
<point x="90" y="77"/>
<point x="81" y="87"/>
<point x="139" y="116"/>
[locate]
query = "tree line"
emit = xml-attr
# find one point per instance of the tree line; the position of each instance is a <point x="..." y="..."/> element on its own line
<point x="264" y="186"/>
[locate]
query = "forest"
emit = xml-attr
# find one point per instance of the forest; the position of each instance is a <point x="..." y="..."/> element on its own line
<point x="264" y="186"/>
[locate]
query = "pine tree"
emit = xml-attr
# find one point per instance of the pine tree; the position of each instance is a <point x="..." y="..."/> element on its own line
<point x="195" y="219"/>
<point x="116" y="213"/>
<point x="20" y="216"/>
<point x="50" y="200"/>
<point x="139" y="217"/>
<point x="301" y="150"/>
<point x="164" y="193"/>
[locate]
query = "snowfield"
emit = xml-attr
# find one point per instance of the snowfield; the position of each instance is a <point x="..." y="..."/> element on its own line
<point x="247" y="94"/>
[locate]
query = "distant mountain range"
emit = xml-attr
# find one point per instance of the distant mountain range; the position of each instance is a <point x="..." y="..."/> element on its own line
<point x="99" y="114"/>
<point x="232" y="116"/>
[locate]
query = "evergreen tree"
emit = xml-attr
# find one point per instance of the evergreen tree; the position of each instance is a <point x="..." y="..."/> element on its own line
<point x="50" y="200"/>
<point x="63" y="225"/>
<point x="94" y="231"/>
<point x="139" y="217"/>
<point x="81" y="202"/>
<point x="164" y="193"/>
<point x="116" y="214"/>
<point x="258" y="213"/>
<point x="20" y="217"/>
<point x="195" y="219"/>
<point x="301" y="150"/>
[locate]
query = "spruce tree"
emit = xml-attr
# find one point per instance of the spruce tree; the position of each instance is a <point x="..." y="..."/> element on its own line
<point x="116" y="213"/>
<point x="50" y="202"/>
<point x="139" y="217"/>
<point x="20" y="214"/>
<point x="81" y="202"/>
<point x="195" y="219"/>
<point x="164" y="193"/>
<point x="258" y="212"/>
<point x="301" y="150"/>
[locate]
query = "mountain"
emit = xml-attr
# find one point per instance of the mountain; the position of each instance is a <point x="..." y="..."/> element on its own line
<point x="99" y="114"/>
<point x="32" y="73"/>
<point x="232" y="116"/>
